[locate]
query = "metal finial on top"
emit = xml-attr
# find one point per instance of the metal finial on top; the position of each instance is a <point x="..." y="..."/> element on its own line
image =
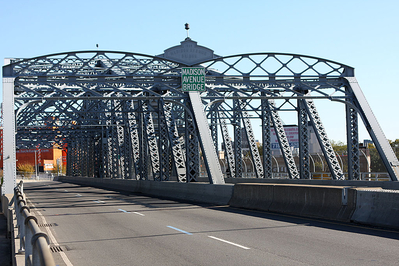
<point x="187" y="27"/>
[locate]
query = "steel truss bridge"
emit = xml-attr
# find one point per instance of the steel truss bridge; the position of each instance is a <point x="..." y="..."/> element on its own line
<point x="124" y="115"/>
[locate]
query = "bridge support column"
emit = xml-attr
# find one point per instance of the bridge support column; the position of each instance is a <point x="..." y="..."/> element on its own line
<point x="9" y="157"/>
<point x="352" y="134"/>
<point x="304" y="164"/>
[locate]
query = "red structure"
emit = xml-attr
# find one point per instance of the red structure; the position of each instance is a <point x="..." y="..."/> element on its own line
<point x="46" y="159"/>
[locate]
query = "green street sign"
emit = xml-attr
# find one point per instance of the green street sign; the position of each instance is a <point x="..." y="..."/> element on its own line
<point x="193" y="79"/>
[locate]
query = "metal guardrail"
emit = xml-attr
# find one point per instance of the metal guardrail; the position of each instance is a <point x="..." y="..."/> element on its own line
<point x="33" y="176"/>
<point x="33" y="242"/>
<point x="366" y="176"/>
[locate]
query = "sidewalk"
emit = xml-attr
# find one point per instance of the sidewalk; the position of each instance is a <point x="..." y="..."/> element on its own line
<point x="5" y="243"/>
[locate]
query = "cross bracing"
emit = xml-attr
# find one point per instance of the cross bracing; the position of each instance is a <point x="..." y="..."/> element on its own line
<point x="124" y="115"/>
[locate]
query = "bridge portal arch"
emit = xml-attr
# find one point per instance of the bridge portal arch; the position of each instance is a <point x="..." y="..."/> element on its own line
<point x="124" y="115"/>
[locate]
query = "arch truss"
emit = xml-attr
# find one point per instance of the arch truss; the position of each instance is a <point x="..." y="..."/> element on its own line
<point x="124" y="115"/>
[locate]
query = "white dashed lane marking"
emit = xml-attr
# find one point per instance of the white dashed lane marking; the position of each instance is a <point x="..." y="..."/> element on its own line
<point x="228" y="242"/>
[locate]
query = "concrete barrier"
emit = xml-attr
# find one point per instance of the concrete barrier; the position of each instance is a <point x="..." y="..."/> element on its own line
<point x="197" y="192"/>
<point x="346" y="183"/>
<point x="327" y="202"/>
<point x="377" y="206"/>
<point x="252" y="196"/>
<point x="371" y="206"/>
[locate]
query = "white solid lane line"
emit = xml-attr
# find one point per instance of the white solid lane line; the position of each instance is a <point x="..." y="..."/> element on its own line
<point x="228" y="242"/>
<point x="98" y="201"/>
<point x="139" y="213"/>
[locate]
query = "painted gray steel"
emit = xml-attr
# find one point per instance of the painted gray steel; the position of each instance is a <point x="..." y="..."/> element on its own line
<point x="124" y="115"/>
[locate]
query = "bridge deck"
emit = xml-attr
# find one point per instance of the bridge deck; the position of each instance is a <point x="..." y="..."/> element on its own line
<point x="101" y="227"/>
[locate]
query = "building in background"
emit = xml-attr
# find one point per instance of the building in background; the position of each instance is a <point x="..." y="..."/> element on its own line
<point x="46" y="159"/>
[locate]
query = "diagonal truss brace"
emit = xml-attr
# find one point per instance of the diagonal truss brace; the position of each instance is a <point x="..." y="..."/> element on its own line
<point x="325" y="144"/>
<point x="283" y="141"/>
<point x="134" y="140"/>
<point x="227" y="145"/>
<point x="152" y="141"/>
<point x="177" y="150"/>
<point x="251" y="139"/>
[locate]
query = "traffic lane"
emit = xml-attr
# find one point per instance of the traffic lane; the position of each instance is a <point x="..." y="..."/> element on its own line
<point x="157" y="234"/>
<point x="171" y="248"/>
<point x="279" y="240"/>
<point x="303" y="240"/>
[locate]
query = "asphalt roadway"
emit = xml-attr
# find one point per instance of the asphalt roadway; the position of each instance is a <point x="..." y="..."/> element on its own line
<point x="90" y="226"/>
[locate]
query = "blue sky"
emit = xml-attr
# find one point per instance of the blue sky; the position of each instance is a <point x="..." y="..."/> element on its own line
<point x="363" y="34"/>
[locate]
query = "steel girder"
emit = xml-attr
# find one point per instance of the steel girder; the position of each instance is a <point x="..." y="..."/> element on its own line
<point x="237" y="137"/>
<point x="266" y="138"/>
<point x="353" y="143"/>
<point x="58" y="95"/>
<point x="304" y="164"/>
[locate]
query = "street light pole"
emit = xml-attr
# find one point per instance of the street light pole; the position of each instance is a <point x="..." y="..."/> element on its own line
<point x="35" y="165"/>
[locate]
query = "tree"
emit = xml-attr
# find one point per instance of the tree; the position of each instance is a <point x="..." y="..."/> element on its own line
<point x="376" y="161"/>
<point x="339" y="147"/>
<point x="341" y="151"/>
